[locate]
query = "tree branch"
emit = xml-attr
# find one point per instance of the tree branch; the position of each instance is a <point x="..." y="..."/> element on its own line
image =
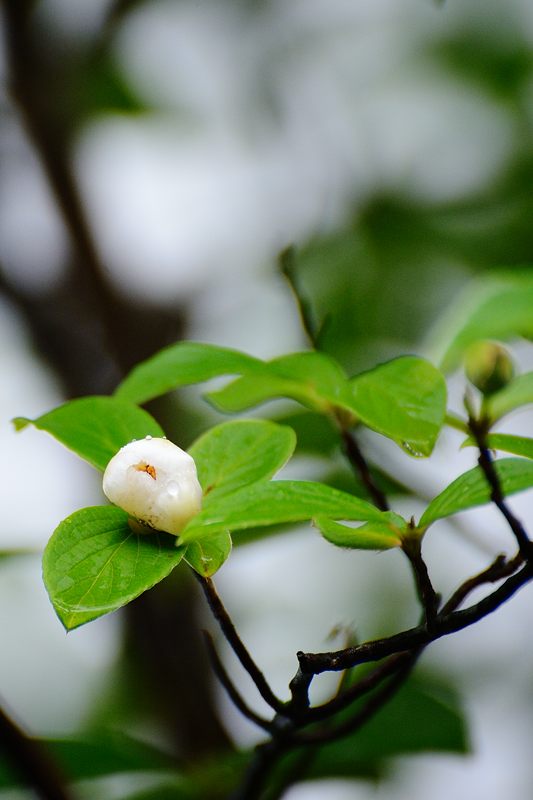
<point x="227" y="683"/>
<point x="232" y="637"/>
<point x="371" y="707"/>
<point x="499" y="569"/>
<point x="420" y="636"/>
<point x="357" y="690"/>
<point x="258" y="773"/>
<point x="478" y="429"/>
<point x="427" y="595"/>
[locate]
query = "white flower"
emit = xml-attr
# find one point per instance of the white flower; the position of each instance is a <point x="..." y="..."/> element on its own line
<point x="155" y="481"/>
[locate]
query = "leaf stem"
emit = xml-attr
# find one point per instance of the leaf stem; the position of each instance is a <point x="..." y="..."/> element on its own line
<point x="455" y="421"/>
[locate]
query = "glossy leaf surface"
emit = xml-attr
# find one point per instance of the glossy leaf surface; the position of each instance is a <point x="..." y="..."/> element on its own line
<point x="94" y="563"/>
<point x="207" y="555"/>
<point x="404" y="399"/>
<point x="240" y="452"/>
<point x="518" y="445"/>
<point x="471" y="489"/>
<point x="182" y="364"/>
<point x="273" y="503"/>
<point x="95" y="427"/>
<point x="311" y="378"/>
<point x="376" y="535"/>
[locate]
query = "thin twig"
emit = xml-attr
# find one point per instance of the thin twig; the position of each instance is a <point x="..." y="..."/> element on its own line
<point x="486" y="463"/>
<point x="427" y="595"/>
<point x="293" y="773"/>
<point x="32" y="762"/>
<point x="258" y="773"/>
<point x="232" y="637"/>
<point x="233" y="693"/>
<point x="371" y="707"/>
<point x="357" y="690"/>
<point x="287" y="266"/>
<point x="419" y="636"/>
<point x="499" y="569"/>
<point x="361" y="468"/>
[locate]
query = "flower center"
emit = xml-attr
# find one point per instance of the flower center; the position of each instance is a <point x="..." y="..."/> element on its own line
<point x="142" y="466"/>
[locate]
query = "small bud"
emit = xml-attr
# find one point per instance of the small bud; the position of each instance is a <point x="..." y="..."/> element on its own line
<point x="155" y="481"/>
<point x="488" y="365"/>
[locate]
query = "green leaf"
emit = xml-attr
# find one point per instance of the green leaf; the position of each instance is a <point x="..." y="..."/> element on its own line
<point x="472" y="489"/>
<point x="311" y="378"/>
<point x="403" y="399"/>
<point x="95" y="427"/>
<point x="274" y="502"/>
<point x="178" y="789"/>
<point x="95" y="756"/>
<point x="94" y="563"/>
<point x="495" y="306"/>
<point x="419" y="718"/>
<point x="208" y="555"/>
<point x="519" y="445"/>
<point x="240" y="452"/>
<point x="376" y="535"/>
<point x="180" y="365"/>
<point x="344" y="479"/>
<point x="314" y="432"/>
<point x="518" y="393"/>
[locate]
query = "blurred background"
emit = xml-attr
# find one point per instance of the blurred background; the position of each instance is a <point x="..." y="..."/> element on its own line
<point x="155" y="156"/>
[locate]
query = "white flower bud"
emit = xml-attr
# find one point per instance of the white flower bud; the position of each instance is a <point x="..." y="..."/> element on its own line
<point x="155" y="481"/>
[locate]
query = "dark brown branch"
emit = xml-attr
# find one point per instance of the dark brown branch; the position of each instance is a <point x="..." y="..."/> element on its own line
<point x="259" y="770"/>
<point x="299" y="687"/>
<point x="49" y="135"/>
<point x="486" y="463"/>
<point x="227" y="683"/>
<point x="232" y="637"/>
<point x="361" y="468"/>
<point x="91" y="334"/>
<point x="429" y="599"/>
<point x="498" y="570"/>
<point x="32" y="762"/>
<point x="371" y="707"/>
<point x="293" y="773"/>
<point x="364" y="685"/>
<point x="416" y="637"/>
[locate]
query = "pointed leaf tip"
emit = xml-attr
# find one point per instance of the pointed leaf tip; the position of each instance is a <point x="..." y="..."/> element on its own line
<point x="94" y="564"/>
